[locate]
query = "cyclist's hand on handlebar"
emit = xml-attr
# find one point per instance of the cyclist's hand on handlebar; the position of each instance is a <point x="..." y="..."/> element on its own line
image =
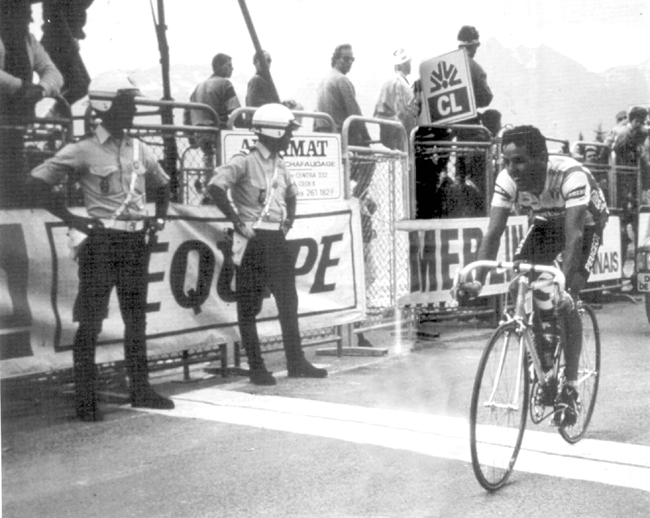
<point x="468" y="291"/>
<point x="565" y="303"/>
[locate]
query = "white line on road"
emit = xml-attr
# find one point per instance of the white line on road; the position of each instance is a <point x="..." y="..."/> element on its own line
<point x="607" y="462"/>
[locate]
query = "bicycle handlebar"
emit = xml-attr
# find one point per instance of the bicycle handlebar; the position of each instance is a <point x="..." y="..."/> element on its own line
<point x="517" y="266"/>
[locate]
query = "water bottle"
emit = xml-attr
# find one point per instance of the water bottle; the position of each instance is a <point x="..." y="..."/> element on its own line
<point x="550" y="338"/>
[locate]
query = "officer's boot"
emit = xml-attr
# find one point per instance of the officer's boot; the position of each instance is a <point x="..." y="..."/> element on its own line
<point x="258" y="373"/>
<point x="297" y="365"/>
<point x="142" y="394"/>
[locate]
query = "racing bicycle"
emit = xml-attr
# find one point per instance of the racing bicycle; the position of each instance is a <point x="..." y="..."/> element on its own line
<point x="510" y="382"/>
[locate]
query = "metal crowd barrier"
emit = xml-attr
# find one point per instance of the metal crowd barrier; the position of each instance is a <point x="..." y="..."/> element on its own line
<point x="455" y="166"/>
<point x="379" y="178"/>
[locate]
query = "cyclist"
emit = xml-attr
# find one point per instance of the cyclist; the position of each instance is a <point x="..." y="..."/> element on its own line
<point x="567" y="212"/>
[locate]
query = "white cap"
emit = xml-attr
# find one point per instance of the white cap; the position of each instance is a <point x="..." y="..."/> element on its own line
<point x="104" y="88"/>
<point x="400" y="56"/>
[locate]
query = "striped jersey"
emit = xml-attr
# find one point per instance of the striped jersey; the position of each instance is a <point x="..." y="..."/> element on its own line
<point x="568" y="184"/>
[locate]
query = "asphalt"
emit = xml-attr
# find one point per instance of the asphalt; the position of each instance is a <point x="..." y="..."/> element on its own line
<point x="377" y="438"/>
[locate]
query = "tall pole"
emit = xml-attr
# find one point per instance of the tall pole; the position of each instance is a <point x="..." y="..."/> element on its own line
<point x="266" y="73"/>
<point x="170" y="162"/>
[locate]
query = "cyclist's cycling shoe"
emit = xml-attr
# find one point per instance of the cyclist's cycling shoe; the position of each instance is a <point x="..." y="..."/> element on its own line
<point x="567" y="407"/>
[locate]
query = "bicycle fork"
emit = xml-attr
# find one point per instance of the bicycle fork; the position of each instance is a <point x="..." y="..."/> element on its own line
<point x="512" y="405"/>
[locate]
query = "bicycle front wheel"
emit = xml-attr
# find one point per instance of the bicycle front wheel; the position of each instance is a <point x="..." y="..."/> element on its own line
<point x="588" y="375"/>
<point x="499" y="407"/>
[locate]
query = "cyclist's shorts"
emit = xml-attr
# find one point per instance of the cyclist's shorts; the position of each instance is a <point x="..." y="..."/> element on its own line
<point x="544" y="241"/>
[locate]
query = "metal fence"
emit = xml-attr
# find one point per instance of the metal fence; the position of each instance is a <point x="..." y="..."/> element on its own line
<point x="453" y="177"/>
<point x="379" y="178"/>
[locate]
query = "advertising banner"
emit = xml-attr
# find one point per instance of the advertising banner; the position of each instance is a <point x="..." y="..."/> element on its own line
<point x="609" y="265"/>
<point x="447" y="89"/>
<point x="438" y="248"/>
<point x="191" y="297"/>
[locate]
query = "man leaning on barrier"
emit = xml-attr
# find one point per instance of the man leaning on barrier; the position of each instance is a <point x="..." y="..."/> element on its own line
<point x="111" y="244"/>
<point x="263" y="210"/>
<point x="21" y="55"/>
<point x="218" y="92"/>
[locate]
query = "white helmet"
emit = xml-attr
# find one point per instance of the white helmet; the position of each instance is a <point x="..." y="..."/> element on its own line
<point x="273" y="120"/>
<point x="104" y="88"/>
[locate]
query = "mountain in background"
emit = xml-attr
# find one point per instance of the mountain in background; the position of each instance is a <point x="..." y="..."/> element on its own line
<point x="537" y="86"/>
<point x="551" y="91"/>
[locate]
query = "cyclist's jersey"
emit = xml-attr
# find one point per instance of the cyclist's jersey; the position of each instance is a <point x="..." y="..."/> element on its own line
<point x="568" y="184"/>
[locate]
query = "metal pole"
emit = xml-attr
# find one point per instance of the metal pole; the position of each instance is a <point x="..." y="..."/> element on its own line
<point x="266" y="73"/>
<point x="170" y="162"/>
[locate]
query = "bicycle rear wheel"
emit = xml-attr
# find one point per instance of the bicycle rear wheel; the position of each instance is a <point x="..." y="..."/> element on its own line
<point x="588" y="374"/>
<point x="499" y="408"/>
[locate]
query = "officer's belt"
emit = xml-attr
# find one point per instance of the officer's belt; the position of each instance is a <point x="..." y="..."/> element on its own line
<point x="267" y="225"/>
<point x="121" y="224"/>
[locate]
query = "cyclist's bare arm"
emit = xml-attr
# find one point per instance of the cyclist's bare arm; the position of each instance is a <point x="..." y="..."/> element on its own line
<point x="492" y="238"/>
<point x="574" y="224"/>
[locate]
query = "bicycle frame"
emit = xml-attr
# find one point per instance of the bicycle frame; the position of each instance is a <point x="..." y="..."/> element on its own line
<point x="523" y="317"/>
<point x="523" y="308"/>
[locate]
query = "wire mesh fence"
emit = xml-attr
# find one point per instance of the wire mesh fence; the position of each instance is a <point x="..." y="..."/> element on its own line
<point x="379" y="180"/>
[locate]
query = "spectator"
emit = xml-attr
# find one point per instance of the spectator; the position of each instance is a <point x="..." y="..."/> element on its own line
<point x="468" y="38"/>
<point x="590" y="154"/>
<point x="262" y="212"/>
<point x="63" y="25"/>
<point x="626" y="139"/>
<point x="20" y="56"/>
<point x="218" y="92"/>
<point x="491" y="119"/>
<point x="471" y="166"/>
<point x="110" y="244"/>
<point x="336" y="96"/>
<point x="260" y="90"/>
<point x="459" y="197"/>
<point x="397" y="102"/>
<point x="621" y="117"/>
<point x="645" y="172"/>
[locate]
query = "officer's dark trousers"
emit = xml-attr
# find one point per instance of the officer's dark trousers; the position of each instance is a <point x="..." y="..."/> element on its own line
<point x="267" y="262"/>
<point x="110" y="258"/>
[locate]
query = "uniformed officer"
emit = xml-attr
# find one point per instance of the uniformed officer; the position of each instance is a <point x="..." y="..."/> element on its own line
<point x="112" y="169"/>
<point x="262" y="212"/>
